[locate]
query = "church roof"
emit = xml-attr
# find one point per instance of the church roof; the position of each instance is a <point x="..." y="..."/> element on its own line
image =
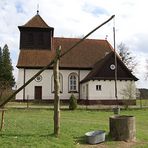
<point x="36" y="21"/>
<point x="93" y="54"/>
<point x="84" y="56"/>
<point x="34" y="58"/>
<point x="102" y="70"/>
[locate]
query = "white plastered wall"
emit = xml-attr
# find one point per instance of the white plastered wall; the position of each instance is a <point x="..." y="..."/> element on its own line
<point x="46" y="83"/>
<point x="107" y="91"/>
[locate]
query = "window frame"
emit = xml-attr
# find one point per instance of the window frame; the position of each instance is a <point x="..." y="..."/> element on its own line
<point x="98" y="87"/>
<point x="73" y="83"/>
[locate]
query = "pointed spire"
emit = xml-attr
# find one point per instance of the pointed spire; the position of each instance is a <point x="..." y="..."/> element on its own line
<point x="37" y="9"/>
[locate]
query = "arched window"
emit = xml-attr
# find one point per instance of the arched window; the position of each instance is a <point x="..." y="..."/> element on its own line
<point x="73" y="82"/>
<point x="61" y="83"/>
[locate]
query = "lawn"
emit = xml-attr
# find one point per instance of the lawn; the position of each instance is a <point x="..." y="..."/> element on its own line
<point x="33" y="128"/>
<point x="142" y="102"/>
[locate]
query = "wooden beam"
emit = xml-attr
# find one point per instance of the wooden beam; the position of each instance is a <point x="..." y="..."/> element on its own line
<point x="57" y="94"/>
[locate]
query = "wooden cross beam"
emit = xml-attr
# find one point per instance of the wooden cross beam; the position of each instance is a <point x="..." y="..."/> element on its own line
<point x="2" y="118"/>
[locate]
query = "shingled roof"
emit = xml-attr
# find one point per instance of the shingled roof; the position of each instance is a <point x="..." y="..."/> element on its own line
<point x="102" y="70"/>
<point x="36" y="22"/>
<point x="34" y="58"/>
<point x="83" y="56"/>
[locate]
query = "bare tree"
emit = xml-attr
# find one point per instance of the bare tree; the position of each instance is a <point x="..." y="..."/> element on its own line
<point x="126" y="56"/>
<point x="146" y="75"/>
<point x="128" y="93"/>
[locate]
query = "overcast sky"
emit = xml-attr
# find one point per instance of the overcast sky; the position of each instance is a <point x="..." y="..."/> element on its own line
<point x="75" y="18"/>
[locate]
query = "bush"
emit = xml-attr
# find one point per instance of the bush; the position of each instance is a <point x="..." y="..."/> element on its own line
<point x="72" y="102"/>
<point x="4" y="94"/>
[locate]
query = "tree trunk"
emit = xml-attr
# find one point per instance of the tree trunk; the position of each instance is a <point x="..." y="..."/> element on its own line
<point x="122" y="128"/>
<point x="56" y="95"/>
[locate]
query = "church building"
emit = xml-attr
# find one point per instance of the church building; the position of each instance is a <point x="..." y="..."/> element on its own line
<point x="87" y="71"/>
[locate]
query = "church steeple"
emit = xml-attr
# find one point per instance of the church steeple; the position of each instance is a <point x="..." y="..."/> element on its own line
<point x="36" y="21"/>
<point x="36" y="34"/>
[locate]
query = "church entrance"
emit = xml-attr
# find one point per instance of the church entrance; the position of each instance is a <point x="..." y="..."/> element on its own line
<point x="38" y="93"/>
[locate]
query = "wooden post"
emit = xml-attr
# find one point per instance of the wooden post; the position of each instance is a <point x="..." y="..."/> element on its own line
<point x="140" y="102"/>
<point x="2" y="118"/>
<point x="27" y="101"/>
<point x="56" y="94"/>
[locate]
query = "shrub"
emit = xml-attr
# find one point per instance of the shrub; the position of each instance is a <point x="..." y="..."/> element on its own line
<point x="72" y="102"/>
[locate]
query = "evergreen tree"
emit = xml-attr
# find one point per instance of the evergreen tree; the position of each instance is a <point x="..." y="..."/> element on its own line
<point x="72" y="102"/>
<point x="0" y="64"/>
<point x="7" y="67"/>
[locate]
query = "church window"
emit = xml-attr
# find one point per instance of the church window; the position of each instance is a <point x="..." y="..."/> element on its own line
<point x="73" y="82"/>
<point x="38" y="78"/>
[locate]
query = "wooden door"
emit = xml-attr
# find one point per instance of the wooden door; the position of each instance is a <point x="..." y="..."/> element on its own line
<point x="38" y="93"/>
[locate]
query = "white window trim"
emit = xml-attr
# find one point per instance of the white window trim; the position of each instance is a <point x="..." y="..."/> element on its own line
<point x="71" y="86"/>
<point x="98" y="87"/>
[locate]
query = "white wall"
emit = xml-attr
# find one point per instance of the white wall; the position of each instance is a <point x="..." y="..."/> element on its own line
<point x="29" y="90"/>
<point x="45" y="83"/>
<point x="107" y="89"/>
<point x="19" y="83"/>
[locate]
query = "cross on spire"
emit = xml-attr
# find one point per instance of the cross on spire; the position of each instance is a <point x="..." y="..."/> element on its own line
<point x="37" y="9"/>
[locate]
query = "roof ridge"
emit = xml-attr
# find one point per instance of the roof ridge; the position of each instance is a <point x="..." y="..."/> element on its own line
<point x="79" y="38"/>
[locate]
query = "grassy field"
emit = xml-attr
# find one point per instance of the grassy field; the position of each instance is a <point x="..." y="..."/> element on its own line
<point x="33" y="128"/>
<point x="142" y="102"/>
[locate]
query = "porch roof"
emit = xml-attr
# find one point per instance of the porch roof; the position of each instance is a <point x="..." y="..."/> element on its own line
<point x="102" y="70"/>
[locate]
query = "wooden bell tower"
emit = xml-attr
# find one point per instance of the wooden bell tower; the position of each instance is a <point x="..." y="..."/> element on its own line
<point x="36" y="34"/>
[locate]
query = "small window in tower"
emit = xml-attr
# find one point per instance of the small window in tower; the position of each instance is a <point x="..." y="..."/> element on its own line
<point x="98" y="87"/>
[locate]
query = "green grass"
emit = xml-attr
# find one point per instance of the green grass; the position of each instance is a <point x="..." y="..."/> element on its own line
<point x="142" y="102"/>
<point x="33" y="128"/>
